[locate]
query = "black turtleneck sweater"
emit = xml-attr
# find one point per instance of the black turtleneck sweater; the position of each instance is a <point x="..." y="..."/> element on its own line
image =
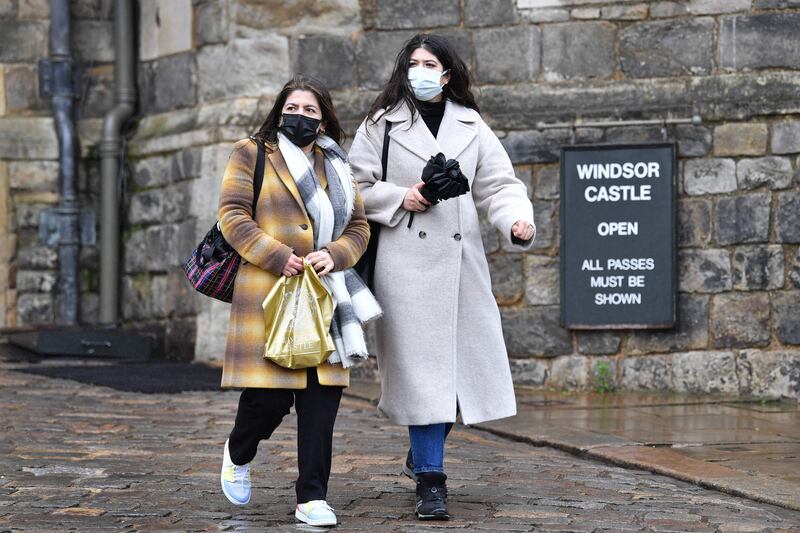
<point x="432" y="113"/>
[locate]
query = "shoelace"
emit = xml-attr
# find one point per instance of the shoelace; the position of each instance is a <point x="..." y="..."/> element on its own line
<point x="438" y="494"/>
<point x="241" y="473"/>
<point x="321" y="503"/>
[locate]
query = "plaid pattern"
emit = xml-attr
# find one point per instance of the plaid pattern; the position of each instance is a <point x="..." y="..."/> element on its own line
<point x="213" y="277"/>
<point x="281" y="227"/>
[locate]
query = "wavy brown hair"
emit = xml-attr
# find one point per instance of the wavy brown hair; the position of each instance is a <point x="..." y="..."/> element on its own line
<point x="267" y="135"/>
<point x="398" y="89"/>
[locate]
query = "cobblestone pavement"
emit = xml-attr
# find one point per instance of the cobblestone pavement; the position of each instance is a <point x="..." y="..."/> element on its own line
<point x="86" y="458"/>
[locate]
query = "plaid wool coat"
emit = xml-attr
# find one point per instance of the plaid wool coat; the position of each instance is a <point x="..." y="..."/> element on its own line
<point x="281" y="227"/>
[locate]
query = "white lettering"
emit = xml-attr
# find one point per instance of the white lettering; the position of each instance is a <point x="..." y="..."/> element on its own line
<point x="617" y="228"/>
<point x="617" y="298"/>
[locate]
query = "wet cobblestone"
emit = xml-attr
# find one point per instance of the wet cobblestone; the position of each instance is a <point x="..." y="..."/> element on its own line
<point x="77" y="457"/>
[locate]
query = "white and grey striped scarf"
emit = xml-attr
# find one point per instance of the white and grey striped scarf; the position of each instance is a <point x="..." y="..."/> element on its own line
<point x="330" y="214"/>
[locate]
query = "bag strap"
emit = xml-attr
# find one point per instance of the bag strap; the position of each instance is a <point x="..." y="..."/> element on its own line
<point x="385" y="154"/>
<point x="258" y="176"/>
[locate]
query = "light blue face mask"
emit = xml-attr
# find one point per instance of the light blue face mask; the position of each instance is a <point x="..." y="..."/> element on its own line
<point x="425" y="82"/>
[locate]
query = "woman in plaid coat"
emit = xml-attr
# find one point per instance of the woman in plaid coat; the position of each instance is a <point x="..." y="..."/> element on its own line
<point x="272" y="242"/>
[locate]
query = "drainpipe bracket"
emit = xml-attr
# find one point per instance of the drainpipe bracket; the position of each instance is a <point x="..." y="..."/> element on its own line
<point x="59" y="77"/>
<point x="70" y="225"/>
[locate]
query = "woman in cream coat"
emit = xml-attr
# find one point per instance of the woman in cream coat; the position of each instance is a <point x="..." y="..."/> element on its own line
<point x="440" y="343"/>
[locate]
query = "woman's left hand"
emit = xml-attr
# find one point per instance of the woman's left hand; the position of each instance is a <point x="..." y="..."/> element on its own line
<point x="321" y="261"/>
<point x="522" y="230"/>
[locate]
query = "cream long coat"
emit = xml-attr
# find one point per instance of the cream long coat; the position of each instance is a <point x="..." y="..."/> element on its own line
<point x="440" y="340"/>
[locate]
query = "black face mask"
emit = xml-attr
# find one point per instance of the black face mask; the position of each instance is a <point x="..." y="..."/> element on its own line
<point x="299" y="129"/>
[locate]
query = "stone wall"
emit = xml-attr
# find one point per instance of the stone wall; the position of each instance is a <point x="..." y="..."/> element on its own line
<point x="208" y="71"/>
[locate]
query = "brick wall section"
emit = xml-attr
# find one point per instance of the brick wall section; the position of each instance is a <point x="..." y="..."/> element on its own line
<point x="209" y="69"/>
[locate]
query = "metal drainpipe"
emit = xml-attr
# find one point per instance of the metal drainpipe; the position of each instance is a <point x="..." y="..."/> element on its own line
<point x="67" y="213"/>
<point x="110" y="143"/>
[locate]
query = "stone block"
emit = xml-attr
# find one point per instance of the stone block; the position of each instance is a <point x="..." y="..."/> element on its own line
<point x="773" y="171"/>
<point x="709" y="7"/>
<point x="598" y="342"/>
<point x="507" y="54"/>
<point x="693" y="141"/>
<point x="525" y="175"/>
<point x="707" y="271"/>
<point x="37" y="257"/>
<point x="667" y="48"/>
<point x="167" y="204"/>
<point x="787" y="217"/>
<point x="179" y="341"/>
<point x="795" y="275"/>
<point x="22" y="89"/>
<point x="535" y="331"/>
<point x="253" y="67"/>
<point x="529" y="372"/>
<point x="250" y="18"/>
<point x="163" y="28"/>
<point x="35" y="309"/>
<point x="548" y="183"/>
<point x="401" y="14"/>
<point x="585" y="13"/>
<point x="544" y="15"/>
<point x="545" y="216"/>
<point x="690" y="332"/>
<point x="775" y="4"/>
<point x="624" y="12"/>
<point x="36" y="280"/>
<point x="22" y="41"/>
<point x="786" y="308"/>
<point x="705" y="372"/>
<point x="576" y="50"/>
<point x="569" y="372"/>
<point x="8" y="8"/>
<point x="2" y="94"/>
<point x="694" y="222"/>
<point x="211" y="22"/>
<point x="758" y="267"/>
<point x="740" y="139"/>
<point x="169" y="83"/>
<point x="180" y="299"/>
<point x="786" y="137"/>
<point x="136" y="297"/>
<point x="33" y="9"/>
<point x="645" y="373"/>
<point x="603" y="374"/>
<point x="709" y="176"/>
<point x="542" y="280"/>
<point x="375" y="55"/>
<point x="212" y="329"/>
<point x="490" y="12"/>
<point x="507" y="277"/>
<point x="89" y="311"/>
<point x="668" y="9"/>
<point x="489" y="236"/>
<point x="534" y="146"/>
<point x="742" y="218"/>
<point x="740" y="320"/>
<point x="28" y="138"/>
<point x="33" y="176"/>
<point x="327" y="57"/>
<point x="770" y="374"/>
<point x="93" y="40"/>
<point x="759" y="41"/>
<point x="98" y="98"/>
<point x="634" y="134"/>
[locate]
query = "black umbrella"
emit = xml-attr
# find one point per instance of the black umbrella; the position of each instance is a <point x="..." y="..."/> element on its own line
<point x="443" y="179"/>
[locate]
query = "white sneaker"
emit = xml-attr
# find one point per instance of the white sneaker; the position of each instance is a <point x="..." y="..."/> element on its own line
<point x="315" y="513"/>
<point x="235" y="480"/>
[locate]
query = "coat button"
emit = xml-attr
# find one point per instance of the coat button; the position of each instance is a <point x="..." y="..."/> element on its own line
<point x="457" y="236"/>
<point x="304" y="226"/>
<point x="422" y="234"/>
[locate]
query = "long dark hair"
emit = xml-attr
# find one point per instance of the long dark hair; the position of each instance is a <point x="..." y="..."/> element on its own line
<point x="399" y="90"/>
<point x="267" y="135"/>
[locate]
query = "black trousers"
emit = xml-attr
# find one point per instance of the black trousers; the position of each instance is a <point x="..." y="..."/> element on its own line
<point x="261" y="412"/>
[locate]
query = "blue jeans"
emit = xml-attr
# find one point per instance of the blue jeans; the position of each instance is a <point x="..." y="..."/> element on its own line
<point x="427" y="446"/>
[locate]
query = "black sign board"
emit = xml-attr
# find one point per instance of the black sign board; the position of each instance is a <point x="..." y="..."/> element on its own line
<point x="618" y="236"/>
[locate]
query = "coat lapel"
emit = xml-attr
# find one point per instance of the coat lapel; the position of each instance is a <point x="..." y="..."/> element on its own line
<point x="455" y="133"/>
<point x="276" y="158"/>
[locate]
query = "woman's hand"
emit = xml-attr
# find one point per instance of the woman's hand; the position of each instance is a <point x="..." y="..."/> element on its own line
<point x="293" y="266"/>
<point x="522" y="230"/>
<point x="321" y="261"/>
<point x="414" y="201"/>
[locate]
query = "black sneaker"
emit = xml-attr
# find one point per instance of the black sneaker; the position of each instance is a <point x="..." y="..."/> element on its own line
<point x="408" y="467"/>
<point x="432" y="496"/>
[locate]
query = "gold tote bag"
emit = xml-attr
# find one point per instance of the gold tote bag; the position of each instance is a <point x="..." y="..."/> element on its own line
<point x="298" y="312"/>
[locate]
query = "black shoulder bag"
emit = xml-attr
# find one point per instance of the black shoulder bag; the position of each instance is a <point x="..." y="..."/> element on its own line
<point x="366" y="265"/>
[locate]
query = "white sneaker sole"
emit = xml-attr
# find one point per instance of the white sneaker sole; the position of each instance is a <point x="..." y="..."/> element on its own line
<point x="230" y="498"/>
<point x="303" y="518"/>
